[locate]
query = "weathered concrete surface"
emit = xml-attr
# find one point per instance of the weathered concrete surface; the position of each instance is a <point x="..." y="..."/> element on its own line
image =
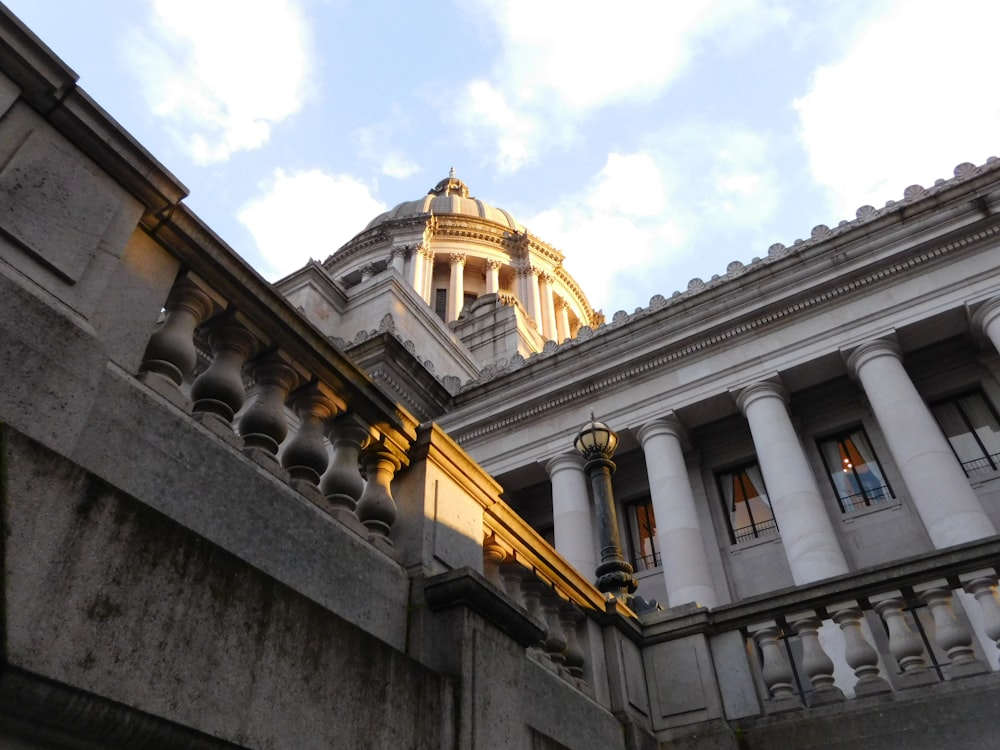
<point x="960" y="714"/>
<point x="106" y="596"/>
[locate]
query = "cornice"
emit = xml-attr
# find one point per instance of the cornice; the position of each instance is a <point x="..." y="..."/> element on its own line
<point x="699" y="344"/>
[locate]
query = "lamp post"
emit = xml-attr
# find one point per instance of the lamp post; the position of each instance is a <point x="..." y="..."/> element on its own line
<point x="596" y="442"/>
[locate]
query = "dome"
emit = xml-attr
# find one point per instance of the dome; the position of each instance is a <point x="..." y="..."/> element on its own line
<point x="449" y="196"/>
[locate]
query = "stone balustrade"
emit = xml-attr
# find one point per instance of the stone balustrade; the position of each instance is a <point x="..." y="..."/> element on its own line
<point x="913" y="625"/>
<point x="342" y="425"/>
<point x="520" y="562"/>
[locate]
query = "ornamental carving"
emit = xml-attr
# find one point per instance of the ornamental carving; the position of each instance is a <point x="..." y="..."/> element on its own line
<point x="493" y="264"/>
<point x="965" y="169"/>
<point x="458" y="258"/>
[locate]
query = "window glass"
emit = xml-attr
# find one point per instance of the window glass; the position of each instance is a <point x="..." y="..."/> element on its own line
<point x="748" y="510"/>
<point x="642" y="535"/>
<point x="971" y="426"/>
<point x="854" y="471"/>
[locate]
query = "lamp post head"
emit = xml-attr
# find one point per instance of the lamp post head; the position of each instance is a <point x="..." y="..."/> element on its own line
<point x="596" y="440"/>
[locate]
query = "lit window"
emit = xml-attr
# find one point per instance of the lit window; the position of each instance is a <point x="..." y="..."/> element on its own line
<point x="971" y="426"/>
<point x="642" y="535"/>
<point x="854" y="471"/>
<point x="748" y="510"/>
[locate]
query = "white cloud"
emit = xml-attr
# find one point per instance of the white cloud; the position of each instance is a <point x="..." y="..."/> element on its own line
<point x="306" y="215"/>
<point x="223" y="72"/>
<point x="615" y="223"/>
<point x="562" y="60"/>
<point x="908" y="101"/>
<point x="695" y="186"/>
<point x="373" y="144"/>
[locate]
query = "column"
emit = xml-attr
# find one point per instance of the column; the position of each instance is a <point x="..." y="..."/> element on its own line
<point x="413" y="261"/>
<point x="492" y="276"/>
<point x="397" y="259"/>
<point x="428" y="290"/>
<point x="547" y="306"/>
<point x="678" y="531"/>
<point x="987" y="320"/>
<point x="534" y="297"/>
<point x="562" y="319"/>
<point x="572" y="522"/>
<point x="807" y="535"/>
<point x="938" y="487"/>
<point x="456" y="286"/>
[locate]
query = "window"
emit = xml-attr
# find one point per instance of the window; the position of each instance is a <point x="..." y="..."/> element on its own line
<point x="854" y="471"/>
<point x="441" y="303"/>
<point x="971" y="426"/>
<point x="748" y="511"/>
<point x="642" y="535"/>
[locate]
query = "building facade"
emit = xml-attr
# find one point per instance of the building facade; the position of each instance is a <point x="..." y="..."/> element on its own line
<point x="345" y="509"/>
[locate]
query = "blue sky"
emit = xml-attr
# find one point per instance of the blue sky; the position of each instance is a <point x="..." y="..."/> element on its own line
<point x="652" y="144"/>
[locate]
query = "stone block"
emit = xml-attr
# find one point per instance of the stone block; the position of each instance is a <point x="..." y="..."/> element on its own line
<point x="55" y="204"/>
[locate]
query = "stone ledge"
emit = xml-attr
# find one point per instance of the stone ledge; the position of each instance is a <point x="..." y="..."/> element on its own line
<point x="34" y="706"/>
<point x="465" y="587"/>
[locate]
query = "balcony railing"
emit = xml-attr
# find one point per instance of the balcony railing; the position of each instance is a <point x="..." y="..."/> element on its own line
<point x="919" y="622"/>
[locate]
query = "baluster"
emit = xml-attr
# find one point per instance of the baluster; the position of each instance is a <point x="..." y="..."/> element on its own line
<point x="531" y="590"/>
<point x="170" y="355"/>
<point x="305" y="457"/>
<point x="376" y="508"/>
<point x="860" y="655"/>
<point x="983" y="586"/>
<point x="775" y="669"/>
<point x="815" y="662"/>
<point x="950" y="634"/>
<point x="512" y="574"/>
<point x="263" y="426"/>
<point x="555" y="639"/>
<point x="493" y="557"/>
<point x="342" y="484"/>
<point x="570" y="617"/>
<point x="905" y="645"/>
<point x="218" y="393"/>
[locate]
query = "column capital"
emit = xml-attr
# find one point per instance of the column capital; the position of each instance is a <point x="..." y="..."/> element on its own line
<point x="763" y="389"/>
<point x="668" y="424"/>
<point x="457" y="258"/>
<point x="985" y="314"/>
<point x="564" y="461"/>
<point x="493" y="264"/>
<point x="885" y="346"/>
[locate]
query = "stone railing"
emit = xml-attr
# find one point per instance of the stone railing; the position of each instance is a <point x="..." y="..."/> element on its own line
<point x="882" y="632"/>
<point x="520" y="562"/>
<point x="342" y="420"/>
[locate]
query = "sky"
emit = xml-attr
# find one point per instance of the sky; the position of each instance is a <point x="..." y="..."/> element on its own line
<point x="652" y="142"/>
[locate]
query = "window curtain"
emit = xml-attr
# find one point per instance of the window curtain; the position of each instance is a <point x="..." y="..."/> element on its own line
<point x="983" y="420"/>
<point x="757" y="480"/>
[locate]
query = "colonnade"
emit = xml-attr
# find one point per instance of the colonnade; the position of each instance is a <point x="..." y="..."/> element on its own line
<point x="535" y="288"/>
<point x="935" y="481"/>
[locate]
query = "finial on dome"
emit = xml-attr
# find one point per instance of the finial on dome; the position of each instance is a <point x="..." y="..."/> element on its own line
<point x="451" y="173"/>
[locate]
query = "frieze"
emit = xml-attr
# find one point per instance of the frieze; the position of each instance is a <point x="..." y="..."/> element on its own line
<point x="630" y="373"/>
